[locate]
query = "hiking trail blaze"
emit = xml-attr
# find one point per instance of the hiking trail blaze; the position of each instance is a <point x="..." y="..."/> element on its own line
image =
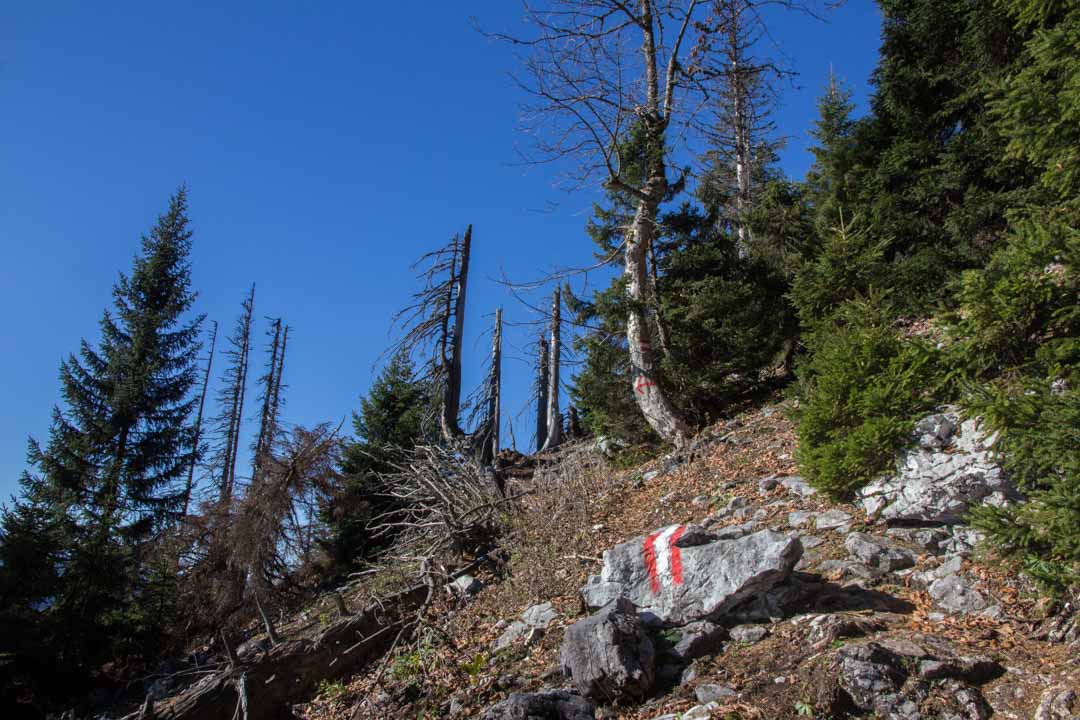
<point x="663" y="559"/>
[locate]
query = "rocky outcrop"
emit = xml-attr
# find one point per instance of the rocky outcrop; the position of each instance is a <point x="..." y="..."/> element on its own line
<point x="681" y="573"/>
<point x="949" y="469"/>
<point x="902" y="679"/>
<point x="608" y="656"/>
<point x="545" y="705"/>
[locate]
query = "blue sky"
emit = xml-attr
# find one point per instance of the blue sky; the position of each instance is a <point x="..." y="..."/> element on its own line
<point x="325" y="146"/>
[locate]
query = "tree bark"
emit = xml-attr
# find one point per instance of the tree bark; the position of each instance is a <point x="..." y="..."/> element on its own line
<point x="554" y="417"/>
<point x="198" y="426"/>
<point x="542" y="395"/>
<point x="654" y="405"/>
<point x="451" y="405"/>
<point x="490" y="439"/>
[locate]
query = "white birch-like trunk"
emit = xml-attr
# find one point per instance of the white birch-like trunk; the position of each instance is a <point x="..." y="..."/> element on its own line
<point x="658" y="412"/>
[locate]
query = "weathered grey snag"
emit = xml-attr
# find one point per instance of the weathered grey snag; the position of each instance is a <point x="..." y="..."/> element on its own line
<point x="268" y="416"/>
<point x="249" y="309"/>
<point x="271" y="632"/>
<point x="451" y="403"/>
<point x="542" y="395"/>
<point x="554" y="417"/>
<point x="188" y="486"/>
<point x="489" y="433"/>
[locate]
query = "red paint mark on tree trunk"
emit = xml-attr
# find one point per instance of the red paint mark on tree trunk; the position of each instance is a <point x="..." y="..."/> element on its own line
<point x="642" y="383"/>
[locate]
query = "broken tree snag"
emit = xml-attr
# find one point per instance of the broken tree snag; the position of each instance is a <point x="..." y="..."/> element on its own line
<point x="542" y="395"/>
<point x="271" y="633"/>
<point x="198" y="425"/>
<point x="554" y="417"/>
<point x="489" y="432"/>
<point x="658" y="412"/>
<point x="451" y="404"/>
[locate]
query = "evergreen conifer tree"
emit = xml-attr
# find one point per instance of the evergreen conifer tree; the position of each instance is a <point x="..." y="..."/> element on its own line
<point x="111" y="475"/>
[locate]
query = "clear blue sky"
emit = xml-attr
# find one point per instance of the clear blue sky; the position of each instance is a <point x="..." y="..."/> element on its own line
<point x="325" y="147"/>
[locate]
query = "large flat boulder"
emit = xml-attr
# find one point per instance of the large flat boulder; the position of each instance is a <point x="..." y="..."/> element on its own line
<point x="681" y="573"/>
<point x="608" y="656"/>
<point x="949" y="469"/>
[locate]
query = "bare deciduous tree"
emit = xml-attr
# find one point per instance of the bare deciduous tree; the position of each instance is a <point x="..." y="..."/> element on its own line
<point x="596" y="71"/>
<point x="597" y="68"/>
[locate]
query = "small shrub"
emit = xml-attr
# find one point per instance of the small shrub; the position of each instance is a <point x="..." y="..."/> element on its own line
<point x="859" y="391"/>
<point x="332" y="689"/>
<point x="473" y="667"/>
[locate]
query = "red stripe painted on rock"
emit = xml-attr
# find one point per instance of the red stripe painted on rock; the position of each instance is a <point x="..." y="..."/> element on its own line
<point x="676" y="555"/>
<point x="649" y="550"/>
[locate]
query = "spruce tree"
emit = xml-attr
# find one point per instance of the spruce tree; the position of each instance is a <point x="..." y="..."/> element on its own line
<point x="393" y="417"/>
<point x="111" y="475"/>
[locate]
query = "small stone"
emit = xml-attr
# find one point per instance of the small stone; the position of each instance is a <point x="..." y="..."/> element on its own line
<point x="713" y="693"/>
<point x="700" y="712"/>
<point x="832" y="520"/>
<point x="700" y="501"/>
<point x="767" y="484"/>
<point x="799" y="518"/>
<point x="798" y="486"/>
<point x="466" y="585"/>
<point x="650" y="475"/>
<point x="539" y="616"/>
<point x="749" y="633"/>
<point x="877" y="553"/>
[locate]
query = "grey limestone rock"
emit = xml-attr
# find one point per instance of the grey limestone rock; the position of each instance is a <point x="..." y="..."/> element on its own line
<point x="673" y="584"/>
<point x="877" y="553"/>
<point x="950" y="469"/>
<point x="834" y="519"/>
<point x="698" y="639"/>
<point x="749" y="633"/>
<point x="608" y="656"/>
<point x="714" y="693"/>
<point x="543" y="705"/>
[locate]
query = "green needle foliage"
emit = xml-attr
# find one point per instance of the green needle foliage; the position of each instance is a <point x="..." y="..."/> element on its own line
<point x="80" y="580"/>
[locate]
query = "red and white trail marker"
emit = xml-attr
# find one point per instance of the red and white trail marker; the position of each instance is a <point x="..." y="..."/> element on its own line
<point x="663" y="559"/>
<point x="641" y="383"/>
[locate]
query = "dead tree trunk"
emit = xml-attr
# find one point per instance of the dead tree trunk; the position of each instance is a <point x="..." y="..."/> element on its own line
<point x="451" y="404"/>
<point x="189" y="485"/>
<point x="554" y="417"/>
<point x="232" y="401"/>
<point x="490" y="432"/>
<point x="267" y="421"/>
<point x="543" y="369"/>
